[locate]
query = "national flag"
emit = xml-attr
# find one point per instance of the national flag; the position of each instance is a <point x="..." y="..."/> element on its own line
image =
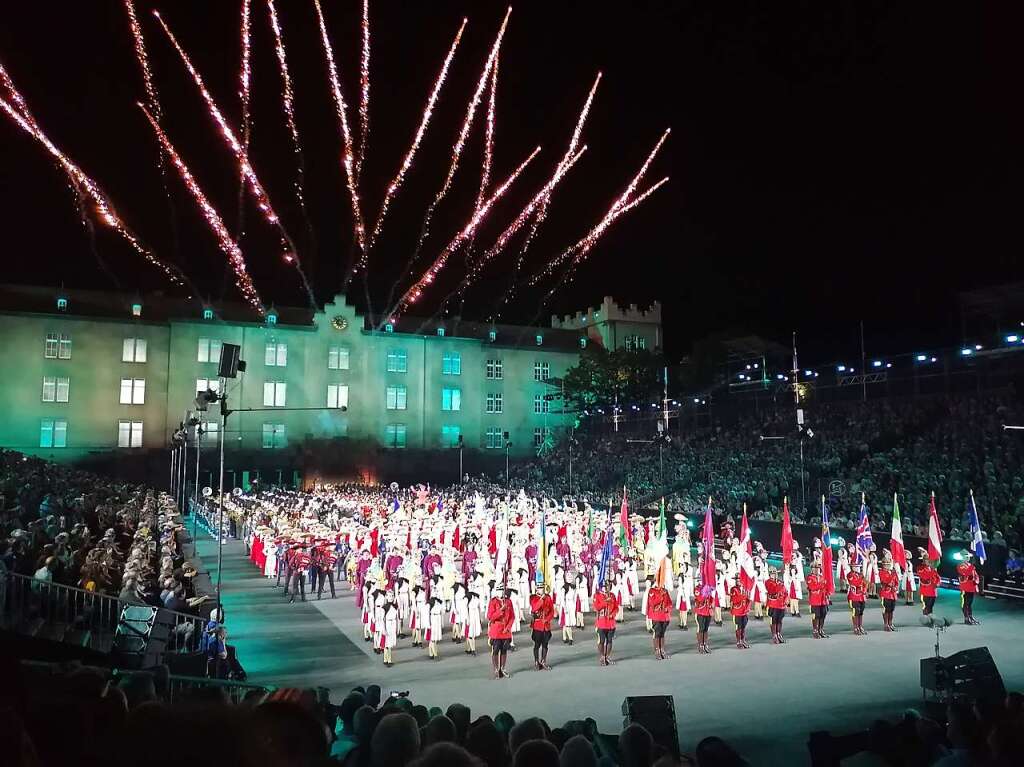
<point x="408" y="540"/>
<point x="456" y="539"/>
<point x="863" y="541"/>
<point x="826" y="551"/>
<point x="657" y="549"/>
<point x="625" y="534"/>
<point x="374" y="535"/>
<point x="707" y="549"/>
<point x="590" y="524"/>
<point x="934" y="532"/>
<point x="977" y="544"/>
<point x="542" y="559"/>
<point x="787" y="533"/>
<point x="606" y="558"/>
<point x="899" y="553"/>
<point x="395" y="505"/>
<point x="746" y="554"/>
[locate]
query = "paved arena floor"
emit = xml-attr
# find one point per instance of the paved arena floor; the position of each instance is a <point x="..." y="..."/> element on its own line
<point x="765" y="700"/>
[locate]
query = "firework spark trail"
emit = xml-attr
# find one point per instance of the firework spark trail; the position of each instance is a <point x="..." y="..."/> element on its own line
<point x="348" y="160"/>
<point x="288" y="103"/>
<point x="398" y="180"/>
<point x="216" y="223"/>
<point x="542" y="211"/>
<point x="364" y="91"/>
<point x="15" y="97"/>
<point x="464" y="235"/>
<point x="152" y="98"/>
<point x="492" y="108"/>
<point x="519" y="221"/>
<point x="245" y="100"/>
<point x="460" y="143"/>
<point x="618" y="203"/>
<point x="84" y="185"/>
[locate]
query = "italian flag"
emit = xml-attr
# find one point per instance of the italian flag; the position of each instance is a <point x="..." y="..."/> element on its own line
<point x="934" y="533"/>
<point x="899" y="553"/>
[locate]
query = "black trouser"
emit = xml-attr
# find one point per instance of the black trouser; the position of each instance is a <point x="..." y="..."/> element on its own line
<point x="703" y="623"/>
<point x="298" y="583"/>
<point x="659" y="629"/>
<point x="605" y="637"/>
<point x="540" y="644"/>
<point x="282" y="570"/>
<point x="316" y="575"/>
<point x="326" y="575"/>
<point x="889" y="606"/>
<point x="967" y="603"/>
<point x="820" y="611"/>
<point x="741" y="623"/>
<point x="929" y="603"/>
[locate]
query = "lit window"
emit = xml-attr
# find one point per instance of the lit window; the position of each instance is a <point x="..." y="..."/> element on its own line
<point x="136" y="310"/>
<point x="451" y="364"/>
<point x="62" y="306"/>
<point x="209" y="350"/>
<point x="207" y="314"/>
<point x="583" y="342"/>
<point x="541" y="435"/>
<point x="337" y="358"/>
<point x="274" y="436"/>
<point x="541" y="371"/>
<point x="540" y="339"/>
<point x="50" y="347"/>
<point x="133" y="350"/>
<point x="207" y="384"/>
<point x="398" y="361"/>
<point x="211" y="430"/>
<point x="451" y="399"/>
<point x="395" y="398"/>
<point x="276" y="355"/>
<point x="494" y="370"/>
<point x="53" y="433"/>
<point x="450" y="436"/>
<point x="337" y="395"/>
<point x="64" y="352"/>
<point x="635" y="343"/>
<point x="394" y="435"/>
<point x="440" y="332"/>
<point x="56" y="388"/>
<point x="63" y="389"/>
<point x="133" y="391"/>
<point x="389" y="328"/>
<point x="274" y="393"/>
<point x="495" y="402"/>
<point x="492" y="336"/>
<point x="494" y="438"/>
<point x="271" y="318"/>
<point x="129" y="433"/>
<point x="541" y="404"/>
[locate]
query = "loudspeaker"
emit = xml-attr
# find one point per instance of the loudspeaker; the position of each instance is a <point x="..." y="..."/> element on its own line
<point x="228" y="367"/>
<point x="657" y="714"/>
<point x="969" y="674"/>
<point x="140" y="637"/>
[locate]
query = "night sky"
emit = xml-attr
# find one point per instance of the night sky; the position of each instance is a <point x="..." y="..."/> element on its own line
<point x="830" y="161"/>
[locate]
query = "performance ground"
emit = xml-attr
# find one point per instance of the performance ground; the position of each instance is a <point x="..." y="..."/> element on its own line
<point x="765" y="700"/>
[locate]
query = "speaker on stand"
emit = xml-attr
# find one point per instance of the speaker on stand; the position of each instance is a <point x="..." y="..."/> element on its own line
<point x="140" y="637"/>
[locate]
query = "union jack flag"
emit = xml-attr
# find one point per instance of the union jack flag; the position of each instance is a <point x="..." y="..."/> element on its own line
<point x="864" y="540"/>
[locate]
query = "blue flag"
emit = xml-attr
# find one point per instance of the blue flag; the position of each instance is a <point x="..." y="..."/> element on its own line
<point x="864" y="540"/>
<point x="977" y="545"/>
<point x="606" y="558"/>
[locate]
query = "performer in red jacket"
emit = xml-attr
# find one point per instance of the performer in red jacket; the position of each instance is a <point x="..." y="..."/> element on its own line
<point x="856" y="592"/>
<point x="659" y="611"/>
<point x="928" y="581"/>
<point x="607" y="606"/>
<point x="969" y="580"/>
<point x="704" y="608"/>
<point x="500" y="616"/>
<point x="542" y="612"/>
<point x="739" y="600"/>
<point x="888" y="592"/>
<point x="777" y="600"/>
<point x="818" y="595"/>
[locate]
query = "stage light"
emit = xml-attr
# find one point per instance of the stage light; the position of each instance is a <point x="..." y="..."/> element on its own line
<point x="689" y="523"/>
<point x="808" y="372"/>
<point x="1012" y="339"/>
<point x="877" y="363"/>
<point x="748" y="367"/>
<point x="957" y="556"/>
<point x="841" y="368"/>
<point x="977" y="347"/>
<point x="922" y="357"/>
<point x="779" y="376"/>
<point x="966" y="352"/>
<point x="934" y="359"/>
<point x="696" y="401"/>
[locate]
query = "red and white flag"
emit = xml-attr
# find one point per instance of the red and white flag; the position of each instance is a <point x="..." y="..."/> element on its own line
<point x="787" y="534"/>
<point x="746" y="554"/>
<point x="899" y="551"/>
<point x="934" y="532"/>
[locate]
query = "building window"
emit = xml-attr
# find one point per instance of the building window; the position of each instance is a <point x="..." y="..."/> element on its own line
<point x="495" y="402"/>
<point x="337" y="395"/>
<point x="271" y="318"/>
<point x="635" y="343"/>
<point x="494" y="438"/>
<point x="53" y="433"/>
<point x="209" y="350"/>
<point x="133" y="350"/>
<point x="129" y="433"/>
<point x="583" y="342"/>
<point x="450" y="435"/>
<point x="541" y="434"/>
<point x="495" y="370"/>
<point x="58" y="346"/>
<point x="398" y="361"/>
<point x="207" y="384"/>
<point x="274" y="436"/>
<point x="541" y="404"/>
<point x="394" y="435"/>
<point x="276" y="355"/>
<point x="451" y="398"/>
<point x="541" y="371"/>
<point x="62" y="306"/>
<point x="492" y="336"/>
<point x="337" y="358"/>
<point x="451" y="364"/>
<point x="540" y="339"/>
<point x="274" y="393"/>
<point x="136" y="310"/>
<point x="133" y="391"/>
<point x="207" y="314"/>
<point x="396" y="398"/>
<point x="440" y="332"/>
<point x="389" y="328"/>
<point x="56" y="388"/>
<point x="211" y="430"/>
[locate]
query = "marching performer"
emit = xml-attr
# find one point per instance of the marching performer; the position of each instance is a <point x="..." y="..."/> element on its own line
<point x="792" y="580"/>
<point x="777" y="599"/>
<point x="888" y="591"/>
<point x="740" y="609"/>
<point x="567" y="611"/>
<point x="721" y="592"/>
<point x="906" y="579"/>
<point x="389" y="622"/>
<point x="607" y="606"/>
<point x="969" y="581"/>
<point x="928" y="578"/>
<point x="870" y="570"/>
<point x="402" y="599"/>
<point x="684" y="595"/>
<point x="704" y="607"/>
<point x="435" y="611"/>
<point x="473" y="628"/>
<point x="842" y="565"/>
<point x="818" y="595"/>
<point x="659" y="611"/>
<point x="648" y="583"/>
<point x="500" y="615"/>
<point x="759" y="595"/>
<point x="542" y="612"/>
<point x="856" y="593"/>
<point x="417" y="614"/>
<point x="582" y="599"/>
